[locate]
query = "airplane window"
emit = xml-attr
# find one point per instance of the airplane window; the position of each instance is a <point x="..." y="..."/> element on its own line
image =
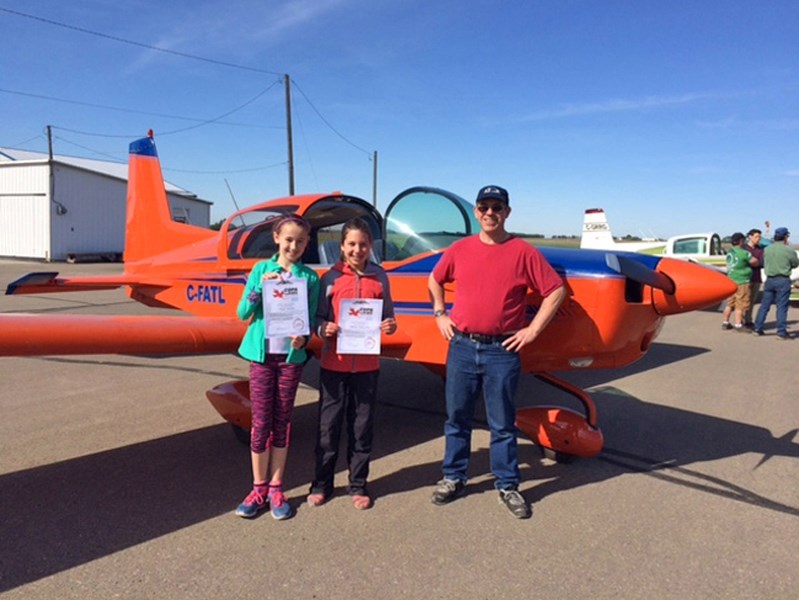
<point x="690" y="246"/>
<point x="250" y="232"/>
<point x="260" y="243"/>
<point x="327" y="218"/>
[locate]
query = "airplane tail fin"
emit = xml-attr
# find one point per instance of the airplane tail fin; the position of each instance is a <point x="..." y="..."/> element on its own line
<point x="596" y="231"/>
<point x="149" y="228"/>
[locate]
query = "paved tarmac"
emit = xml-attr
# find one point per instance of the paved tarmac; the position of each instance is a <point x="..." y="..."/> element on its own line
<point x="119" y="480"/>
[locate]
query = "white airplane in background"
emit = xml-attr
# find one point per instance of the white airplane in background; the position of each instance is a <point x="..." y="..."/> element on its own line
<point x="703" y="248"/>
<point x="597" y="236"/>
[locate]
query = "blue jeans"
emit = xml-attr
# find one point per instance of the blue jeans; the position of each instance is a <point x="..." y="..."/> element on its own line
<point x="470" y="367"/>
<point x="775" y="290"/>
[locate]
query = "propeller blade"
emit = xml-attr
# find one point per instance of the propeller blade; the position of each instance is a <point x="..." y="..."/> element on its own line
<point x="637" y="271"/>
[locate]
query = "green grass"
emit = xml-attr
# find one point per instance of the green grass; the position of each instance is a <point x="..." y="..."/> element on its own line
<point x="552" y="242"/>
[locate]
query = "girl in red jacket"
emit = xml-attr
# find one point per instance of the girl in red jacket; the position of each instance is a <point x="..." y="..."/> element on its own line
<point x="348" y="382"/>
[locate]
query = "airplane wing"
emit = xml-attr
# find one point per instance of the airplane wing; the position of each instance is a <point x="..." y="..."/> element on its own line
<point x="25" y="334"/>
<point x="39" y="335"/>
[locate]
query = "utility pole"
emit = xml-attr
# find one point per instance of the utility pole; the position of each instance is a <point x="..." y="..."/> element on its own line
<point x="287" y="82"/>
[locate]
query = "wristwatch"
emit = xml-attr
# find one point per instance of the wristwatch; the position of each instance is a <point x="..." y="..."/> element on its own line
<point x="440" y="312"/>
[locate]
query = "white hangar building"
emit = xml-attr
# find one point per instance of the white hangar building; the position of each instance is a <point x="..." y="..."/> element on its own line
<point x="70" y="208"/>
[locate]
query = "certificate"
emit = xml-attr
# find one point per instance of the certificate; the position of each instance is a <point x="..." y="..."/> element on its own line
<point x="359" y="326"/>
<point x="286" y="307"/>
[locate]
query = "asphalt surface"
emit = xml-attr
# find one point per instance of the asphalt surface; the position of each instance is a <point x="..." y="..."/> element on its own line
<point x="119" y="480"/>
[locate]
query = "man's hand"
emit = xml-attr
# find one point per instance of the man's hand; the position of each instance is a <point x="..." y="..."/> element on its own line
<point x="445" y="326"/>
<point x="519" y="340"/>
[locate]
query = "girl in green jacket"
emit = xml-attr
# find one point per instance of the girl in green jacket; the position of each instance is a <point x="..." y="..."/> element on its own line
<point x="275" y="366"/>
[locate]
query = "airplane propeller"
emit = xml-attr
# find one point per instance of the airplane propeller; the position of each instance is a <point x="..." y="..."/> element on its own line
<point x="637" y="271"/>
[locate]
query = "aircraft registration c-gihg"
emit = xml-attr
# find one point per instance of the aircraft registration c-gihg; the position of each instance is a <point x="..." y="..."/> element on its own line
<point x="616" y="303"/>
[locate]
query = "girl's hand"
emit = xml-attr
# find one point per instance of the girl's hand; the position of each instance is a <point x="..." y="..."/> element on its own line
<point x="388" y="326"/>
<point x="299" y="341"/>
<point x="329" y="329"/>
<point x="271" y="276"/>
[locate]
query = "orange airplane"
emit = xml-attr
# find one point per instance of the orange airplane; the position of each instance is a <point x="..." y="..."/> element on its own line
<point x="616" y="305"/>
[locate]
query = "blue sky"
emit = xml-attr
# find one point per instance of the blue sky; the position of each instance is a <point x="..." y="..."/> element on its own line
<point x="674" y="117"/>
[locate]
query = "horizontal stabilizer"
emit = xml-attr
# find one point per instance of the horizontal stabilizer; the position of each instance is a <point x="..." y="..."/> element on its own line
<point x="49" y="282"/>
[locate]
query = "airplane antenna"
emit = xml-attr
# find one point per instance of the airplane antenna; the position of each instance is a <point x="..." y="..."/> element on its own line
<point x="236" y="204"/>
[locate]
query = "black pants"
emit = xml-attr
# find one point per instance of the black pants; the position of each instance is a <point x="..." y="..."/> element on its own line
<point x="350" y="397"/>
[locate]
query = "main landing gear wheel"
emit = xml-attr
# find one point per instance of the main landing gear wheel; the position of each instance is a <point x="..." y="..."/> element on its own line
<point x="560" y="432"/>
<point x="558" y="457"/>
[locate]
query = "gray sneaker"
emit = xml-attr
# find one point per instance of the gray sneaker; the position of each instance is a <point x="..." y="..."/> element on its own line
<point x="448" y="490"/>
<point x="516" y="504"/>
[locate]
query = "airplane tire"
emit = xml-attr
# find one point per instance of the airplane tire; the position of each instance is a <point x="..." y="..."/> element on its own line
<point x="558" y="457"/>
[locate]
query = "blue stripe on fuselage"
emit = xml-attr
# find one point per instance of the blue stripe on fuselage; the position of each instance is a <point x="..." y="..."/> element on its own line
<point x="568" y="262"/>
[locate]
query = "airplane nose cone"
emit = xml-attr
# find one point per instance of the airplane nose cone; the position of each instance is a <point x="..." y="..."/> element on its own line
<point x="695" y="287"/>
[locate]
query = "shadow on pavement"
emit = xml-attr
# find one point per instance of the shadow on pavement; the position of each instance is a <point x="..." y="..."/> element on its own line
<point x="65" y="514"/>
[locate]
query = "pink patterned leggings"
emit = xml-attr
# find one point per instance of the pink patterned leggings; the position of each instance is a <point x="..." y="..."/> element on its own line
<point x="273" y="388"/>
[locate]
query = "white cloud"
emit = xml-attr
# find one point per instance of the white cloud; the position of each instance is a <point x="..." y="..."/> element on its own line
<point x="617" y="105"/>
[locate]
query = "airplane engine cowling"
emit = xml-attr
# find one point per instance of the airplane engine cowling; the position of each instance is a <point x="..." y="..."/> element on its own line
<point x="695" y="287"/>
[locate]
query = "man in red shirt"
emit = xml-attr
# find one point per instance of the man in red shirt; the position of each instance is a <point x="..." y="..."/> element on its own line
<point x="486" y="330"/>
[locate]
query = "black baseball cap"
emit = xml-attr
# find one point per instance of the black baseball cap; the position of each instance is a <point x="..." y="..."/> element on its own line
<point x="493" y="191"/>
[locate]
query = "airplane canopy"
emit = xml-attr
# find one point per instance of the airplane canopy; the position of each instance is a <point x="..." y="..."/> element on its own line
<point x="421" y="219"/>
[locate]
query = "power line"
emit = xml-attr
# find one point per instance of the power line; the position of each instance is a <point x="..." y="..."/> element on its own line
<point x="184" y="55"/>
<point x="222" y="116"/>
<point x="119" y="160"/>
<point x="116" y="159"/>
<point x="129" y="110"/>
<point x="21" y="144"/>
<point x="235" y="171"/>
<point x="326" y="122"/>
<point x="163" y="133"/>
<point x="139" y="44"/>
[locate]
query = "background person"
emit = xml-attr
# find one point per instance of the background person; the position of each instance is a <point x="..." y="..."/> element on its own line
<point x="739" y="269"/>
<point x="752" y="245"/>
<point x="779" y="259"/>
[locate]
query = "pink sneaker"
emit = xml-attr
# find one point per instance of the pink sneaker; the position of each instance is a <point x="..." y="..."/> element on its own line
<point x="280" y="506"/>
<point x="253" y="503"/>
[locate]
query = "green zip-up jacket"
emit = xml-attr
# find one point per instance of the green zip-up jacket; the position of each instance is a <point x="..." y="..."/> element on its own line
<point x="779" y="259"/>
<point x="253" y="344"/>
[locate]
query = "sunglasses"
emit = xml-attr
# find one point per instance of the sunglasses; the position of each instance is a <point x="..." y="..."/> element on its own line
<point x="496" y="208"/>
